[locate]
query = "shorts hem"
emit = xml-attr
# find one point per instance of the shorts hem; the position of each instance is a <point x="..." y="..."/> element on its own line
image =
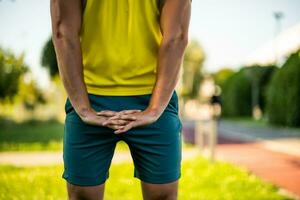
<point x="84" y="181"/>
<point x="159" y="180"/>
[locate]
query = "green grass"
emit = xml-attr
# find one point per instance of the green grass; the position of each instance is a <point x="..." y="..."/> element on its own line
<point x="261" y="123"/>
<point x="37" y="136"/>
<point x="248" y="121"/>
<point x="200" y="181"/>
<point x="31" y="136"/>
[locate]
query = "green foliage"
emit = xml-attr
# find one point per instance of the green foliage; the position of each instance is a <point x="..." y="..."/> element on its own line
<point x="260" y="79"/>
<point x="244" y="89"/>
<point x="30" y="95"/>
<point x="31" y="136"/>
<point x="11" y="69"/>
<point x="192" y="66"/>
<point x="49" y="58"/>
<point x="200" y="180"/>
<point x="222" y="76"/>
<point x="236" y="95"/>
<point x="283" y="97"/>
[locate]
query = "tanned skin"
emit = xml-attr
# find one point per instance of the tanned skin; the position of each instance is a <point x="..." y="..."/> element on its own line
<point x="66" y="18"/>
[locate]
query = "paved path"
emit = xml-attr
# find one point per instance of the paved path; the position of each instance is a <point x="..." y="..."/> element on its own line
<point x="271" y="153"/>
<point x="280" y="169"/>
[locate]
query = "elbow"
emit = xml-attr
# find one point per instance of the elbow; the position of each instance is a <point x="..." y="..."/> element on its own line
<point x="62" y="33"/>
<point x="178" y="41"/>
<point x="58" y="32"/>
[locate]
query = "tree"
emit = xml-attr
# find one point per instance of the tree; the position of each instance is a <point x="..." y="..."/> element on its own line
<point x="48" y="59"/>
<point x="283" y="97"/>
<point x="11" y="69"/>
<point x="221" y="76"/>
<point x="245" y="90"/>
<point x="29" y="94"/>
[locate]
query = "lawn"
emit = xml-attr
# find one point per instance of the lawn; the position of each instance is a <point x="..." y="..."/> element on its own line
<point x="200" y="181"/>
<point x="37" y="136"/>
<point x="261" y="123"/>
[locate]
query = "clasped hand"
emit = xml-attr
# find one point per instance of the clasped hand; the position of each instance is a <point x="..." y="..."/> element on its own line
<point x="121" y="121"/>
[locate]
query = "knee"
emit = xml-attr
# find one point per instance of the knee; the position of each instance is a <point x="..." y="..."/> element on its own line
<point x="85" y="192"/>
<point x="75" y="193"/>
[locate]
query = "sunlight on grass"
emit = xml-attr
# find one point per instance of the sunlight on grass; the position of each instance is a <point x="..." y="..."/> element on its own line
<point x="39" y="136"/>
<point x="200" y="181"/>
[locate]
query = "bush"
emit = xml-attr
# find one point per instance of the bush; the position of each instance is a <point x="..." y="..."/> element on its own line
<point x="244" y="89"/>
<point x="48" y="59"/>
<point x="236" y="95"/>
<point x="11" y="70"/>
<point x="283" y="97"/>
<point x="261" y="76"/>
<point x="221" y="76"/>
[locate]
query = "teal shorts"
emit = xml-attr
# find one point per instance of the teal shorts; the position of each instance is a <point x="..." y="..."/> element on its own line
<point x="155" y="148"/>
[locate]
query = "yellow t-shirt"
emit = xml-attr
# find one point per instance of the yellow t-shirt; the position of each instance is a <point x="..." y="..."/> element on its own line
<point x="120" y="41"/>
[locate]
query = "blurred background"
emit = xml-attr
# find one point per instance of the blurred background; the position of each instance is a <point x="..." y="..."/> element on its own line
<point x="239" y="96"/>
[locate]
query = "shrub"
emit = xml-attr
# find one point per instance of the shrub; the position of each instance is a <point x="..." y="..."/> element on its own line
<point x="283" y="96"/>
<point x="236" y="95"/>
<point x="244" y="89"/>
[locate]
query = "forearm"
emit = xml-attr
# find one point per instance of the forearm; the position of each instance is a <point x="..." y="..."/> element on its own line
<point x="66" y="19"/>
<point x="169" y="62"/>
<point x="69" y="58"/>
<point x="174" y="23"/>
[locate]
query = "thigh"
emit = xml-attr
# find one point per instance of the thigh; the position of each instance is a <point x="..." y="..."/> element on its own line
<point x="167" y="191"/>
<point x="156" y="148"/>
<point x="87" y="151"/>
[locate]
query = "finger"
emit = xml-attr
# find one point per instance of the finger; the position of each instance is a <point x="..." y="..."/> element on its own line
<point x="115" y="122"/>
<point x="125" y="128"/>
<point x="117" y="116"/>
<point x="107" y="113"/>
<point x="115" y="127"/>
<point x="127" y="117"/>
<point x="123" y="117"/>
<point x="129" y="111"/>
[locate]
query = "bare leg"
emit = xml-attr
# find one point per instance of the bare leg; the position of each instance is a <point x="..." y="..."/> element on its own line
<point x="167" y="191"/>
<point x="85" y="192"/>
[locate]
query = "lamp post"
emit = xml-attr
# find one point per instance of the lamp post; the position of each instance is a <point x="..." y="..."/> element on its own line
<point x="278" y="15"/>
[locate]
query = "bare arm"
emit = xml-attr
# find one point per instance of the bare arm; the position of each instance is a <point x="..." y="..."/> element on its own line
<point x="174" y="22"/>
<point x="66" y="16"/>
<point x="66" y="24"/>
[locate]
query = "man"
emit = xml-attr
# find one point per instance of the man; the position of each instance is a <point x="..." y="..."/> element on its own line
<point x="119" y="62"/>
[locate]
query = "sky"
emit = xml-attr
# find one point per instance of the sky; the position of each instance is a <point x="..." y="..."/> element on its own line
<point x="228" y="30"/>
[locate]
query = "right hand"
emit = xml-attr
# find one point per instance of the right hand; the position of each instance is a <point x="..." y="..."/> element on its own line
<point x="98" y="118"/>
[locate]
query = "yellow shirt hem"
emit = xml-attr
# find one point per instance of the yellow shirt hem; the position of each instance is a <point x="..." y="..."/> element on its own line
<point x="119" y="91"/>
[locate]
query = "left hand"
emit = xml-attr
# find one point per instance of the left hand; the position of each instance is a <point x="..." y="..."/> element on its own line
<point x="142" y="118"/>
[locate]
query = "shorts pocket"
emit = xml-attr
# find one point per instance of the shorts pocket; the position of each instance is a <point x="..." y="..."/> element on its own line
<point x="173" y="104"/>
<point x="71" y="114"/>
<point x="68" y="107"/>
